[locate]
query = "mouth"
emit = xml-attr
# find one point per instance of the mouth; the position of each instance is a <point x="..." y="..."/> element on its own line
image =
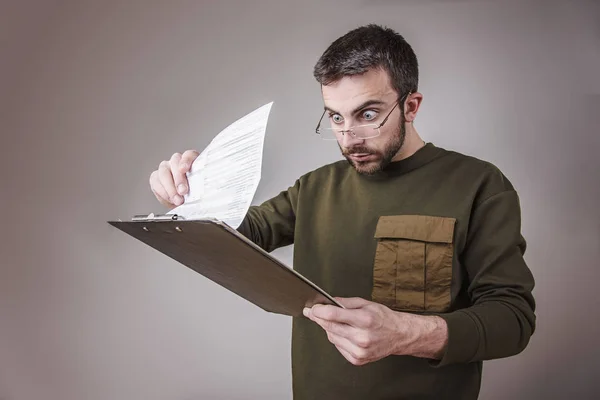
<point x="362" y="157"/>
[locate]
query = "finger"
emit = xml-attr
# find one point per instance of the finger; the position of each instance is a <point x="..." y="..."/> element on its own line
<point x="336" y="328"/>
<point x="166" y="179"/>
<point x="159" y="191"/>
<point x="327" y="312"/>
<point x="179" y="178"/>
<point x="353" y="302"/>
<point x="187" y="158"/>
<point x="358" y="337"/>
<point x="357" y="354"/>
<point x="348" y="356"/>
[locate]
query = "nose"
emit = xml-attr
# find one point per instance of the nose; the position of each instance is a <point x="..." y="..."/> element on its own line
<point x="347" y="140"/>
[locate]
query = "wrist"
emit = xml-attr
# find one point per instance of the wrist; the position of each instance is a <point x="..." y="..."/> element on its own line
<point x="422" y="336"/>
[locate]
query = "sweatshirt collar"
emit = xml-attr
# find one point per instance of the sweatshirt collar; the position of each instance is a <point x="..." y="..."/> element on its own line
<point x="421" y="157"/>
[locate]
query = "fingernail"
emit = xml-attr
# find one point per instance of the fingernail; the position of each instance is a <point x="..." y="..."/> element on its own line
<point x="177" y="200"/>
<point x="184" y="166"/>
<point x="305" y="311"/>
<point x="181" y="188"/>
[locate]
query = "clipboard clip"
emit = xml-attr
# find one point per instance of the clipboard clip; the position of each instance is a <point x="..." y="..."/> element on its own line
<point x="157" y="217"/>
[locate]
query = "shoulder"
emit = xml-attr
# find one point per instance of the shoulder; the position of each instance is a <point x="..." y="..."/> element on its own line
<point x="487" y="176"/>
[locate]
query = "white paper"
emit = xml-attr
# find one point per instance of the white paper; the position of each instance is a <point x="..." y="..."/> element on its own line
<point x="224" y="178"/>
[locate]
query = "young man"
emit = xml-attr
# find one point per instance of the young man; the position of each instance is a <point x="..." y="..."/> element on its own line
<point x="421" y="245"/>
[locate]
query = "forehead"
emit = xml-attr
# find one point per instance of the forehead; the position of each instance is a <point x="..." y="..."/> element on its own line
<point x="350" y="91"/>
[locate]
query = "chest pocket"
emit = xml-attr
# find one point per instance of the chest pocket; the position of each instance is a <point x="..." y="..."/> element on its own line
<point x="412" y="270"/>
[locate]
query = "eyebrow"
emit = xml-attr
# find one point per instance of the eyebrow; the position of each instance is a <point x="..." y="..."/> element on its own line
<point x="358" y="109"/>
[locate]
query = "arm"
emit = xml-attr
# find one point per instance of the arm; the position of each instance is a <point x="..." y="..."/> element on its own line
<point x="271" y="224"/>
<point x="502" y="318"/>
<point x="498" y="324"/>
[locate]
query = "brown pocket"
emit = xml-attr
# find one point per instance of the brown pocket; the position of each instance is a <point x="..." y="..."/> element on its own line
<point x="413" y="262"/>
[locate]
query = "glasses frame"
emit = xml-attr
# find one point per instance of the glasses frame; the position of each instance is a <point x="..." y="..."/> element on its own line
<point x="350" y="129"/>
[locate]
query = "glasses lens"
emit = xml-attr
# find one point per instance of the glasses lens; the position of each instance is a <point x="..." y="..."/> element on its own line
<point x="366" y="131"/>
<point x="358" y="132"/>
<point x="330" y="133"/>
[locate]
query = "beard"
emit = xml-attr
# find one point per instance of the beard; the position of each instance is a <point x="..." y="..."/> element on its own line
<point x="383" y="158"/>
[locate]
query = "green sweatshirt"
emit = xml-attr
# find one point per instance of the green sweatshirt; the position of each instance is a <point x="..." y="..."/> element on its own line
<point x="436" y="233"/>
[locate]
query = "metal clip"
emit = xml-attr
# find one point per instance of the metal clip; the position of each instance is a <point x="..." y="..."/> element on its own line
<point x="158" y="217"/>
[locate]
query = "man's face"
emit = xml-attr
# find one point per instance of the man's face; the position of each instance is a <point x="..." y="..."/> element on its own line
<point x="365" y="99"/>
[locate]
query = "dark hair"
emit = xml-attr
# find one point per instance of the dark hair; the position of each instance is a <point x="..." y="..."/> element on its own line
<point x="369" y="47"/>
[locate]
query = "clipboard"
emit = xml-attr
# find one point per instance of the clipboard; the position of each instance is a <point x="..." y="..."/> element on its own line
<point x="222" y="254"/>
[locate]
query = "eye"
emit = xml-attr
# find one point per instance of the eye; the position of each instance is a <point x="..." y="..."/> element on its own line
<point x="369" y="115"/>
<point x="336" y="118"/>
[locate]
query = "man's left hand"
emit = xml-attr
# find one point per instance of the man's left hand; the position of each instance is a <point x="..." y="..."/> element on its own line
<point x="365" y="331"/>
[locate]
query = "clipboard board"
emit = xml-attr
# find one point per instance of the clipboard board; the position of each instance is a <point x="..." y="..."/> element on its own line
<point x="222" y="254"/>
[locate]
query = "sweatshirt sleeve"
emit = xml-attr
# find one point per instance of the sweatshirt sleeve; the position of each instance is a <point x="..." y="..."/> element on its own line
<point x="502" y="318"/>
<point x="271" y="224"/>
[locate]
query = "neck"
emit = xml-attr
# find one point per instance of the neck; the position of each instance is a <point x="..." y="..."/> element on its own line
<point x="412" y="143"/>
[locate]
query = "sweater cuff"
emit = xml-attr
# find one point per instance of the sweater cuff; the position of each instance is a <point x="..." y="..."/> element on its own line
<point x="463" y="339"/>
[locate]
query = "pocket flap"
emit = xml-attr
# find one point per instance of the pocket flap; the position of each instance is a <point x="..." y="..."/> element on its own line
<point x="424" y="228"/>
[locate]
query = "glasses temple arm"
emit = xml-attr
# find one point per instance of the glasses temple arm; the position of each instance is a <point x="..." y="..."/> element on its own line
<point x="392" y="110"/>
<point x="320" y="119"/>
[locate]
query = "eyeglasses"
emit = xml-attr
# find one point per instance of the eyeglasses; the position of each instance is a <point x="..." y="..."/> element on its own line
<point x="366" y="131"/>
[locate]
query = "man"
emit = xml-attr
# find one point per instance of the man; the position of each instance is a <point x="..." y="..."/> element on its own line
<point x="421" y="245"/>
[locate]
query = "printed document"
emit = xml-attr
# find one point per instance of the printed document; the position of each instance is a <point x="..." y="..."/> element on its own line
<point x="224" y="178"/>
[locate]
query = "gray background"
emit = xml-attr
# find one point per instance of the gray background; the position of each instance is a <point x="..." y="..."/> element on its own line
<point x="95" y="94"/>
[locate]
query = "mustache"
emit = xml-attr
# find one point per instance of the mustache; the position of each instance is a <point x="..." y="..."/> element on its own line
<point x="357" y="150"/>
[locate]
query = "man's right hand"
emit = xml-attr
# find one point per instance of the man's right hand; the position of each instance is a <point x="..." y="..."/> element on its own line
<point x="169" y="182"/>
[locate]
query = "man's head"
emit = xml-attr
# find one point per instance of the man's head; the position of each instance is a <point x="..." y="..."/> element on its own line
<point x="364" y="75"/>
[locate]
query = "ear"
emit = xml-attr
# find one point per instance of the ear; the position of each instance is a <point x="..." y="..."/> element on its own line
<point x="412" y="105"/>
